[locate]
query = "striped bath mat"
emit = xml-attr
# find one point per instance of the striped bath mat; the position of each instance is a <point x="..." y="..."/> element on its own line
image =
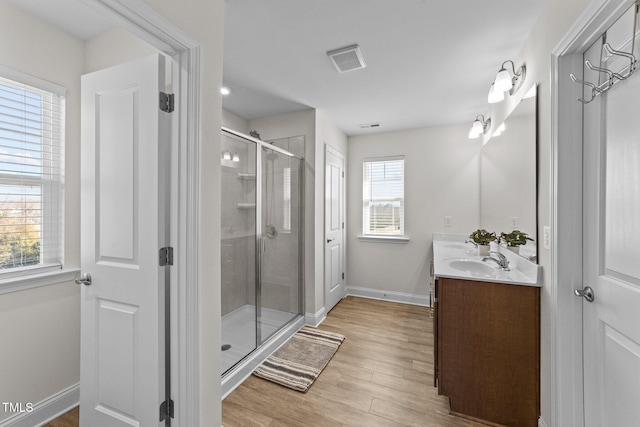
<point x="301" y="359"/>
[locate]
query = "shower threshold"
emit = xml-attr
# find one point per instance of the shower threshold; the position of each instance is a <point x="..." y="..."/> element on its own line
<point x="239" y="332"/>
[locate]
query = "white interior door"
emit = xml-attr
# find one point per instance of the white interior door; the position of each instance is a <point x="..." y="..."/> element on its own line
<point x="334" y="229"/>
<point x="123" y="224"/>
<point x="611" y="323"/>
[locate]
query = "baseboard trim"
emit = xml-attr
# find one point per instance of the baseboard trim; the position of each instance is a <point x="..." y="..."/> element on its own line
<point x="47" y="410"/>
<point x="412" y="299"/>
<point x="316" y="319"/>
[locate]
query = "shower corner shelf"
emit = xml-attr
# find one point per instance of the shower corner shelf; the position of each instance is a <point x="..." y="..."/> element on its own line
<point x="246" y="205"/>
<point x="243" y="175"/>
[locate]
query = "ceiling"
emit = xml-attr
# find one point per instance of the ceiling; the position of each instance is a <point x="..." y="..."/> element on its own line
<point x="429" y="62"/>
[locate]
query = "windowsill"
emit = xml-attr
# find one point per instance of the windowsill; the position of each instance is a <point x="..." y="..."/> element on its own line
<point x="35" y="280"/>
<point x="384" y="239"/>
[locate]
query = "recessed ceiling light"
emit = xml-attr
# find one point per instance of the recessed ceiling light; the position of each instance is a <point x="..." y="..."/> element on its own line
<point x="225" y="90"/>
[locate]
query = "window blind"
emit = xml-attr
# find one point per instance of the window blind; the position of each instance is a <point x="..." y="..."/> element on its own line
<point x="31" y="174"/>
<point x="383" y="196"/>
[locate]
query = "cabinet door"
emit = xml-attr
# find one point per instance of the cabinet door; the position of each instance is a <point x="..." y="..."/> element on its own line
<point x="488" y="345"/>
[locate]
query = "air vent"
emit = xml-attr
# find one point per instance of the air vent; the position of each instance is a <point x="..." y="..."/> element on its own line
<point x="347" y="58"/>
<point x="369" y="125"/>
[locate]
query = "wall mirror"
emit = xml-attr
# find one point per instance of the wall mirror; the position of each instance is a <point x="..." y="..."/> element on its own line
<point x="508" y="176"/>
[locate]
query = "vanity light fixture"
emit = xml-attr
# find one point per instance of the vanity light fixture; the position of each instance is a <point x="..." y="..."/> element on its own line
<point x="236" y="158"/>
<point x="494" y="95"/>
<point x="505" y="82"/>
<point x="226" y="155"/>
<point x="479" y="127"/>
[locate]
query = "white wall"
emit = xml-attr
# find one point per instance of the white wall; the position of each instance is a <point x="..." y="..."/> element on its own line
<point x="41" y="327"/>
<point x="441" y="179"/>
<point x="235" y="122"/>
<point x="114" y="47"/>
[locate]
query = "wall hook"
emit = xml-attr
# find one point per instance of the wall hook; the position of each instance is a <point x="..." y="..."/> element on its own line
<point x="608" y="72"/>
<point x="594" y="89"/>
<point x="632" y="59"/>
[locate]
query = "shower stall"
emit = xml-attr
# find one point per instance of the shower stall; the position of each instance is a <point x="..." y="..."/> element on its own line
<point x="261" y="249"/>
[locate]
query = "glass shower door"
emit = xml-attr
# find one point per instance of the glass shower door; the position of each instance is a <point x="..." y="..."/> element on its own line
<point x="238" y="249"/>
<point x="280" y="290"/>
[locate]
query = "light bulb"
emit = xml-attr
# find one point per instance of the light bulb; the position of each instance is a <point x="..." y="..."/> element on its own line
<point x="477" y="127"/>
<point x="225" y="90"/>
<point x="494" y="95"/>
<point x="473" y="135"/>
<point x="503" y="81"/>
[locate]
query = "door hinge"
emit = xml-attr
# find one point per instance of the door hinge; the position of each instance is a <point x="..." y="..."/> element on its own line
<point x="342" y="276"/>
<point x="343" y="174"/>
<point x="343" y="225"/>
<point x="166" y="256"/>
<point x="166" y="102"/>
<point x="166" y="409"/>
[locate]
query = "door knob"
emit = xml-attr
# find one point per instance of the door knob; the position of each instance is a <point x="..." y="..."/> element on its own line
<point x="85" y="279"/>
<point x="330" y="240"/>
<point x="587" y="293"/>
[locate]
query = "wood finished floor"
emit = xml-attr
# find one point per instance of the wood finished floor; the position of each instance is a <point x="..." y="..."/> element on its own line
<point x="70" y="419"/>
<point x="382" y="375"/>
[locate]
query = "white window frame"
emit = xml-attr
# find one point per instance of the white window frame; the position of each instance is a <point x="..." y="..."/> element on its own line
<point x="398" y="236"/>
<point x="50" y="270"/>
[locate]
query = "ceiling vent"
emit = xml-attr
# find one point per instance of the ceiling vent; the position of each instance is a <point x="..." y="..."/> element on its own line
<point x="347" y="58"/>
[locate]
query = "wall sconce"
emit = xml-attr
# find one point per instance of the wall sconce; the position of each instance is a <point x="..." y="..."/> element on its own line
<point x="226" y="155"/>
<point x="236" y="158"/>
<point x="479" y="127"/>
<point x="505" y="82"/>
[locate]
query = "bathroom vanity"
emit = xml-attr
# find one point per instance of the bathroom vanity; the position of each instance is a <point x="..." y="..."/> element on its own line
<point x="487" y="334"/>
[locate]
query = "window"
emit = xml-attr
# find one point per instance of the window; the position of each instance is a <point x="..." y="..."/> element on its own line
<point x="383" y="197"/>
<point x="286" y="214"/>
<point x="31" y="173"/>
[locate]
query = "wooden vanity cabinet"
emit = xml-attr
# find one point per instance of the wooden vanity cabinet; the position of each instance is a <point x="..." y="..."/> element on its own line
<point x="487" y="350"/>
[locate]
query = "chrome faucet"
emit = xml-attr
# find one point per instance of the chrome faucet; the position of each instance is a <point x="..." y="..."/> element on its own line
<point x="501" y="260"/>
<point x="472" y="242"/>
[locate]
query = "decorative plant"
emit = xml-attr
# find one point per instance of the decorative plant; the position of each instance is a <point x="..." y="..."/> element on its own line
<point x="515" y="238"/>
<point x="483" y="237"/>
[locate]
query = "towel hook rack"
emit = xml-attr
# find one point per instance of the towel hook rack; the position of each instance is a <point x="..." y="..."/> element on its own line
<point x="612" y="76"/>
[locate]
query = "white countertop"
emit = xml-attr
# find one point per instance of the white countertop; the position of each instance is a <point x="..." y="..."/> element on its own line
<point x="449" y="248"/>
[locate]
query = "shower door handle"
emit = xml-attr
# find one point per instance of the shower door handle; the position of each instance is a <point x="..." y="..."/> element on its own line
<point x="263" y="244"/>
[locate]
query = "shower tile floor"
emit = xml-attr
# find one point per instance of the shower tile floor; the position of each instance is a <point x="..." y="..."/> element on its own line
<point x="239" y="331"/>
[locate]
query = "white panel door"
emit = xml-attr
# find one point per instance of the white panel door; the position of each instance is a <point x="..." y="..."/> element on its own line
<point x="123" y="224"/>
<point x="611" y="253"/>
<point x="334" y="229"/>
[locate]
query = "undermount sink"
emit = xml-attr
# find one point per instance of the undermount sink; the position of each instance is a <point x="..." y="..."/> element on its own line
<point x="473" y="267"/>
